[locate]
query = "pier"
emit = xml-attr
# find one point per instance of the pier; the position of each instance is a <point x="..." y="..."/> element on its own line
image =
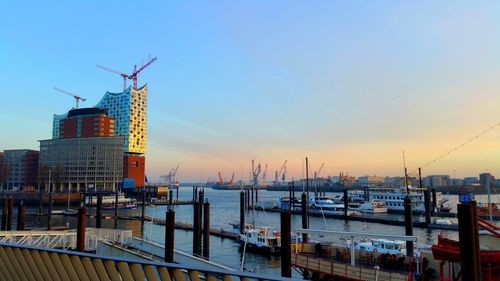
<point x="363" y="219"/>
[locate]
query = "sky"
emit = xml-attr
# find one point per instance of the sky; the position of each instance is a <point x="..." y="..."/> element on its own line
<point x="350" y="84"/>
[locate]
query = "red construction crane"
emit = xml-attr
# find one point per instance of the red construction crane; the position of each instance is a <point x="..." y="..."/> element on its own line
<point x="132" y="76"/>
<point x="77" y="98"/>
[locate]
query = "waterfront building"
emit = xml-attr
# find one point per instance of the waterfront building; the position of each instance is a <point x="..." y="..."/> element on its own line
<point x="470" y="181"/>
<point x="436" y="180"/>
<point x="129" y="109"/>
<point x="486" y="180"/>
<point x="56" y="122"/>
<point x="20" y="167"/>
<point x="370" y="180"/>
<point x="121" y="114"/>
<point x="86" y="123"/>
<point x="82" y="163"/>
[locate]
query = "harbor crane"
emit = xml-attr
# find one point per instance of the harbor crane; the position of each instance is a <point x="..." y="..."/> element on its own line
<point x="77" y="98"/>
<point x="132" y="76"/>
<point x="277" y="174"/>
<point x="255" y="173"/>
<point x="264" y="174"/>
<point x="221" y="180"/>
<point x="170" y="177"/>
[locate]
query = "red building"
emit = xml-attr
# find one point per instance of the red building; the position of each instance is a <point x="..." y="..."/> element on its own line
<point x="134" y="168"/>
<point x="87" y="123"/>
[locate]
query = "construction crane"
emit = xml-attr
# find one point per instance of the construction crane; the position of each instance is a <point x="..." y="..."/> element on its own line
<point x="277" y="174"/>
<point x="124" y="75"/>
<point x="77" y="98"/>
<point x="132" y="76"/>
<point x="316" y="174"/>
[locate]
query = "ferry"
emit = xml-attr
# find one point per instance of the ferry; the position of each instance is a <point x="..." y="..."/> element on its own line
<point x="110" y="200"/>
<point x="394" y="198"/>
<point x="263" y="240"/>
<point x="284" y="203"/>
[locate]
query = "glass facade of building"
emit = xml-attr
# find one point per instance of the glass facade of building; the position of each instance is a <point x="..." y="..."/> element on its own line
<point x="81" y="163"/>
<point x="128" y="108"/>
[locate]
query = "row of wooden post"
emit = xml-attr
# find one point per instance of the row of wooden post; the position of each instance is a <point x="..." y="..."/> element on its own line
<point x="8" y="215"/>
<point x="201" y="224"/>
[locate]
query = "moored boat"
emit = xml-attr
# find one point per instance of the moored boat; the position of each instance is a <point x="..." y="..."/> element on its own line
<point x="263" y="240"/>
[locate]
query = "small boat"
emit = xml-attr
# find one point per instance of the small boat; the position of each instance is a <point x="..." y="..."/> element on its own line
<point x="373" y="206"/>
<point x="326" y="205"/>
<point x="236" y="227"/>
<point x="382" y="246"/>
<point x="284" y="203"/>
<point x="70" y="212"/>
<point x="263" y="240"/>
<point x="121" y="206"/>
<point x="57" y="212"/>
<point x="484" y="211"/>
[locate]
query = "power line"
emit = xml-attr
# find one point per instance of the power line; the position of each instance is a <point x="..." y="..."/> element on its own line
<point x="458" y="147"/>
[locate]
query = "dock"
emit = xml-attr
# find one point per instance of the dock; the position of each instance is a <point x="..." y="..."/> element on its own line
<point x="363" y="219"/>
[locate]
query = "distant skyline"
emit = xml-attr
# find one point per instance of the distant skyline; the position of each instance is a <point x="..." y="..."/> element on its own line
<point x="350" y="84"/>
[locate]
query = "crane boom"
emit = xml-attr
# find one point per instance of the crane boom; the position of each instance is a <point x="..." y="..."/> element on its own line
<point x="124" y="75"/>
<point x="76" y="97"/>
<point x="133" y="76"/>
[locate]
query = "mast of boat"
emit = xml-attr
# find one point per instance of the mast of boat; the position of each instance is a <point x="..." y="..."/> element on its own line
<point x="69" y="193"/>
<point x="406" y="175"/>
<point x="490" y="211"/>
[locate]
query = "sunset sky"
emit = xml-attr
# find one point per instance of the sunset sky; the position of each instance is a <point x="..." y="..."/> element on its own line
<point x="348" y="83"/>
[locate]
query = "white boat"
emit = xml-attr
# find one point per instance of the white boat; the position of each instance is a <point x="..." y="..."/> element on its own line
<point x="373" y="206"/>
<point x="263" y="240"/>
<point x="326" y="205"/>
<point x="110" y="200"/>
<point x="382" y="246"/>
<point x="70" y="212"/>
<point x="394" y="197"/>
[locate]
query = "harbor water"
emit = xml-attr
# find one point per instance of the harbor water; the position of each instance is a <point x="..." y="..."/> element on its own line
<point x="225" y="210"/>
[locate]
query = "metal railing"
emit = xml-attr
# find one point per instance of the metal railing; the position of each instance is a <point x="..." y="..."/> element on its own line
<point x="66" y="239"/>
<point x="21" y="262"/>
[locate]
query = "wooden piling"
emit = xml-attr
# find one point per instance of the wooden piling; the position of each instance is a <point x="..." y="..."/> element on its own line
<point x="143" y="207"/>
<point x="408" y="225"/>
<point x="286" y="241"/>
<point x="469" y="242"/>
<point x="116" y="207"/>
<point x="21" y="215"/>
<point x="196" y="229"/>
<point x="80" y="230"/>
<point x="170" y="197"/>
<point x="242" y="211"/>
<point x="4" y="214"/>
<point x="427" y="206"/>
<point x="98" y="212"/>
<point x="169" y="235"/>
<point x="346" y="203"/>
<point x="251" y="191"/>
<point x="305" y="218"/>
<point x="434" y="201"/>
<point x="49" y="215"/>
<point x="10" y="214"/>
<point x="256" y="195"/>
<point x="206" y="230"/>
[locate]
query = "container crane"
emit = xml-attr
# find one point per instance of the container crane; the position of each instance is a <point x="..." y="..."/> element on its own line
<point x="170" y="177"/>
<point x="264" y="174"/>
<point x="221" y="179"/>
<point x="277" y="174"/>
<point x="255" y="173"/>
<point x="132" y="76"/>
<point x="77" y="98"/>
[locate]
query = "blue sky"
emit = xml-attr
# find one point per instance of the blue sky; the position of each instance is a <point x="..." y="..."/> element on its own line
<point x="348" y="83"/>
